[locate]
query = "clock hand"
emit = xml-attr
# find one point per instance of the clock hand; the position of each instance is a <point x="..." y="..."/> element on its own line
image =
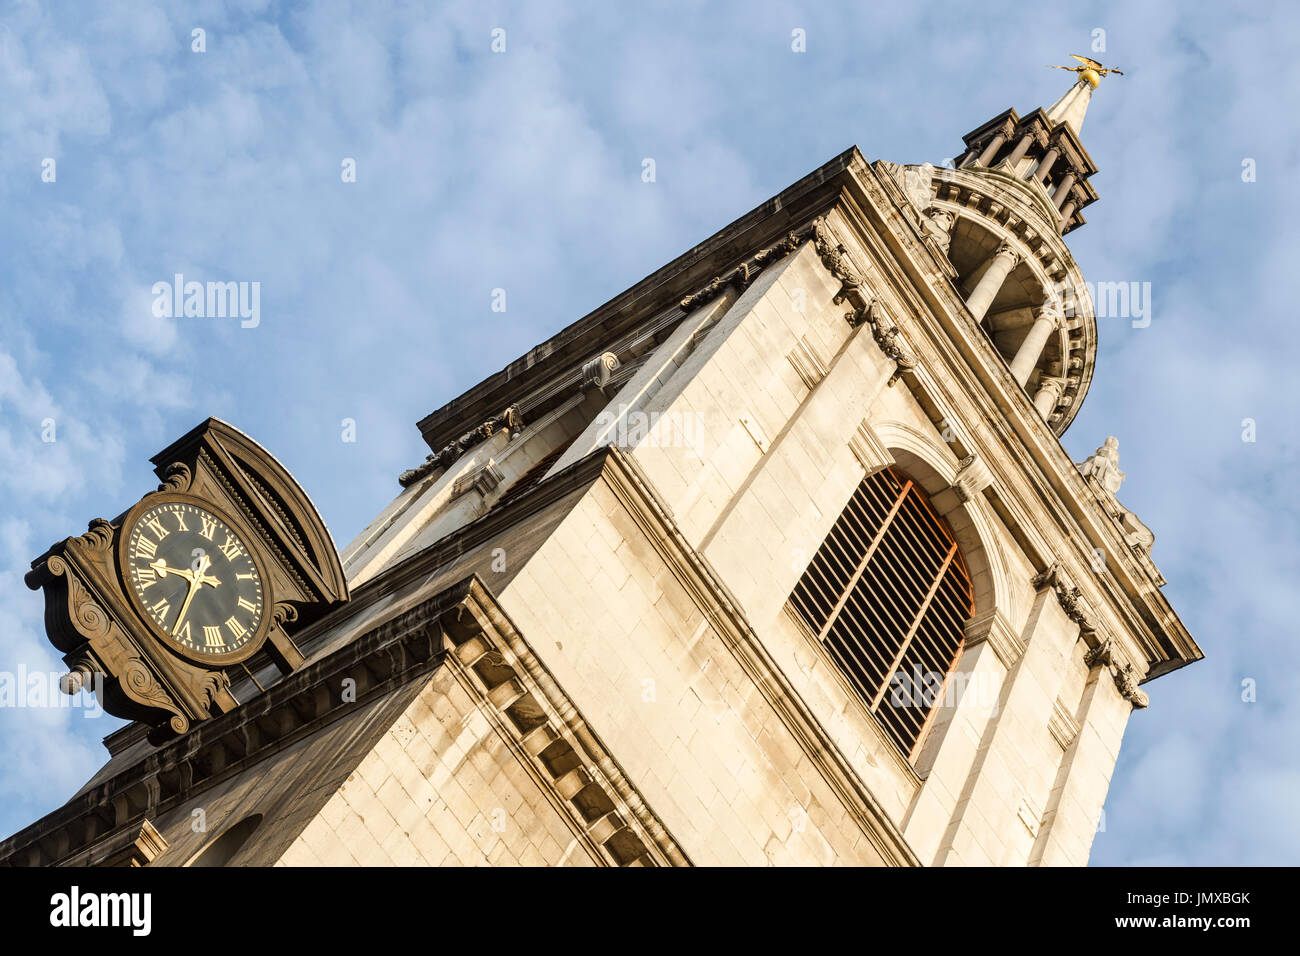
<point x="195" y="583"/>
<point x="162" y="570"/>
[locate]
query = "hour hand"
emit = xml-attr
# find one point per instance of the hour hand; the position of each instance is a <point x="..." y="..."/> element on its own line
<point x="162" y="570"/>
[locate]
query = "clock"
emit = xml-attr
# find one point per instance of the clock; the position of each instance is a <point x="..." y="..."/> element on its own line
<point x="191" y="575"/>
<point x="220" y="565"/>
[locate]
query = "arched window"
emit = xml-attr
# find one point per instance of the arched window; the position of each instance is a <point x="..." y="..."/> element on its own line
<point x="887" y="595"/>
<point x="223" y="849"/>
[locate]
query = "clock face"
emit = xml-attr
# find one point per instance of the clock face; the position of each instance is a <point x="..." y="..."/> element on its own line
<point x="195" y="579"/>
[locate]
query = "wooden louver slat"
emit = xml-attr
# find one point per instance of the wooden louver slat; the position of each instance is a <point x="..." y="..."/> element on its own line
<point x="887" y="595"/>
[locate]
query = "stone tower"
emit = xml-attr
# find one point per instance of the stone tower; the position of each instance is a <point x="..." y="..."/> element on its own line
<point x="775" y="558"/>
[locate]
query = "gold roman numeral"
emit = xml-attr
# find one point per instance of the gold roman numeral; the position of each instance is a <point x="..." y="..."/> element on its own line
<point x="145" y="576"/>
<point x="236" y="629"/>
<point x="160" y="609"/>
<point x="247" y="605"/>
<point x="244" y="577"/>
<point x="144" y="546"/>
<point x="212" y="637"/>
<point x="184" y="633"/>
<point x="230" y="549"/>
<point x="180" y="520"/>
<point x="156" y="526"/>
<point x="209" y="527"/>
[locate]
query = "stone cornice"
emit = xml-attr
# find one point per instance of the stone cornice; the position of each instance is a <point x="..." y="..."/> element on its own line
<point x="108" y="824"/>
<point x="498" y="667"/>
<point x="389" y="656"/>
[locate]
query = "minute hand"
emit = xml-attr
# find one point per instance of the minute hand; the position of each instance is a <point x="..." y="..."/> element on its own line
<point x="197" y="580"/>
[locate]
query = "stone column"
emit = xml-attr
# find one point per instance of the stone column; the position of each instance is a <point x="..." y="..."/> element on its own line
<point x="1066" y="212"/>
<point x="1003" y="261"/>
<point x="991" y="149"/>
<point x="1063" y="189"/>
<point x="1045" y="320"/>
<point x="1022" y="147"/>
<point x="1049" y="391"/>
<point x="1044" y="168"/>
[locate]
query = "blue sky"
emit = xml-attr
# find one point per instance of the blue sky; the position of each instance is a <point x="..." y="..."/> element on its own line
<point x="522" y="170"/>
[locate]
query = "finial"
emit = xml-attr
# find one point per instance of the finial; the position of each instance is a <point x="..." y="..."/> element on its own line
<point x="1089" y="70"/>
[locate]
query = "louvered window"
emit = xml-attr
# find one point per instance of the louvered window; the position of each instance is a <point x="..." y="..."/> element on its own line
<point x="887" y="595"/>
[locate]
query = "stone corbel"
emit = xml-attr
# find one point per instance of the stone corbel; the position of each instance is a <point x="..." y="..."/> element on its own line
<point x="973" y="477"/>
<point x="993" y="627"/>
<point x="1123" y="673"/>
<point x="511" y="418"/>
<point x="483" y="479"/>
<point x="869" y="450"/>
<point x="599" y="370"/>
<point x="1069" y="597"/>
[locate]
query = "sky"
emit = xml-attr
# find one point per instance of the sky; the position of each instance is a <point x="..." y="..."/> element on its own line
<point x="522" y="170"/>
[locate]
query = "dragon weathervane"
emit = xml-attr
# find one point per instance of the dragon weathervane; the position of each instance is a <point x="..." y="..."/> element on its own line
<point x="1088" y="69"/>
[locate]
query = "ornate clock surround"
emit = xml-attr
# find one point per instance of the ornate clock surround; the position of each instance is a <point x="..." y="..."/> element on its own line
<point x="264" y="618"/>
<point x="104" y="633"/>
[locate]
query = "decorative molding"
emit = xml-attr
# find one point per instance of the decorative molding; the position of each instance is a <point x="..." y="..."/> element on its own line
<point x="496" y="664"/>
<point x="992" y="626"/>
<point x="128" y="847"/>
<point x="1063" y="726"/>
<point x="869" y="450"/>
<point x="599" y="370"/>
<point x="973" y="476"/>
<point x="483" y="479"/>
<point x="746" y="272"/>
<point x="808" y="365"/>
<point x="510" y="419"/>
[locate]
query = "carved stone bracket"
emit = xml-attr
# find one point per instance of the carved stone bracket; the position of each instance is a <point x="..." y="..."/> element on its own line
<point x="973" y="477"/>
<point x="176" y="477"/>
<point x="865" y="306"/>
<point x="746" y="272"/>
<point x="1123" y="673"/>
<point x="598" y="371"/>
<point x="483" y="480"/>
<point x="511" y="419"/>
<point x="1068" y="596"/>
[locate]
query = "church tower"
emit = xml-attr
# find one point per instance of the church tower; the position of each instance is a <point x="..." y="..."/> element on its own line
<point x="775" y="558"/>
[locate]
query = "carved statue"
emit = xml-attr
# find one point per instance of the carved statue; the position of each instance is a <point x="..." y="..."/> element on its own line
<point x="1103" y="465"/>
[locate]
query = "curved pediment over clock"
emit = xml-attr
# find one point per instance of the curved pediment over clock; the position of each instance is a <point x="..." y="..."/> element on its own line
<point x="226" y="558"/>
<point x="222" y="460"/>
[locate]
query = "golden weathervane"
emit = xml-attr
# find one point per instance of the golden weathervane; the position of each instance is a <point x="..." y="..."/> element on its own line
<point x="1089" y="69"/>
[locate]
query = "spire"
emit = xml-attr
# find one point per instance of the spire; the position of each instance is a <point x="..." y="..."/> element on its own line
<point x="1044" y="146"/>
<point x="1071" y="107"/>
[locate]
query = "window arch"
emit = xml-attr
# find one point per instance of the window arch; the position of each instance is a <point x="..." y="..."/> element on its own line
<point x="223" y="849"/>
<point x="887" y="596"/>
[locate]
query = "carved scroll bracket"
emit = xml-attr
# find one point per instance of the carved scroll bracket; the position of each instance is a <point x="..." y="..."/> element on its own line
<point x="744" y="274"/>
<point x="511" y="419"/>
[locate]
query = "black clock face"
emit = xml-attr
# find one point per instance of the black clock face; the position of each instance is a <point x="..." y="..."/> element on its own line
<point x="194" y="578"/>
